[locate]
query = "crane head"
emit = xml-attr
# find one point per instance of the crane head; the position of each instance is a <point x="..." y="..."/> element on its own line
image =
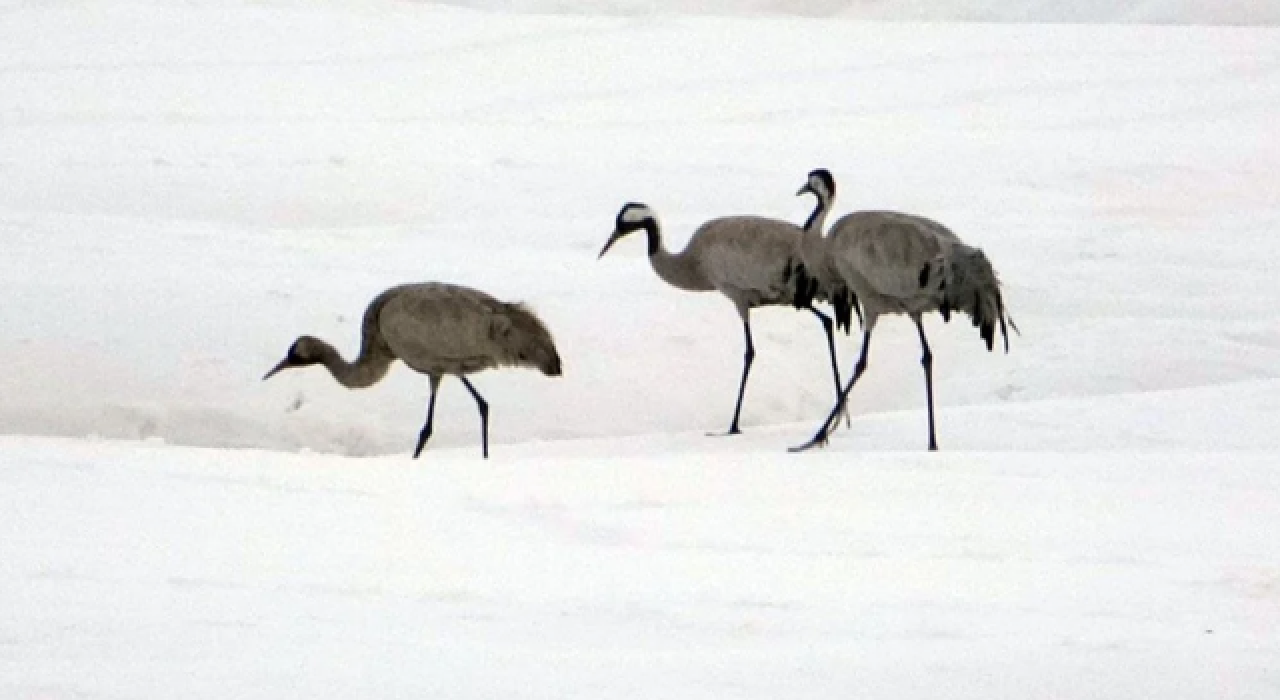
<point x="820" y="184"/>
<point x="632" y="217"/>
<point x="304" y="351"/>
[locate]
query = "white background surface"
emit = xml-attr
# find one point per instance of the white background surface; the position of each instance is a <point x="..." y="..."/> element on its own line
<point x="186" y="187"/>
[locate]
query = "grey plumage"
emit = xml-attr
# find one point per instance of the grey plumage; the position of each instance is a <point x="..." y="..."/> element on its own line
<point x="436" y="329"/>
<point x="898" y="263"/>
<point x="754" y="261"/>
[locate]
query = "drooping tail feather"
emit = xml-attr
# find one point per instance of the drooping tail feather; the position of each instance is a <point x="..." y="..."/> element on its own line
<point x="804" y="285"/>
<point x="521" y="339"/>
<point x="969" y="284"/>
<point x="843" y="301"/>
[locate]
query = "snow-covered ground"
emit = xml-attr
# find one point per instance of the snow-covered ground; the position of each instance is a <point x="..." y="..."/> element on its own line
<point x="1205" y="12"/>
<point x="186" y="187"/>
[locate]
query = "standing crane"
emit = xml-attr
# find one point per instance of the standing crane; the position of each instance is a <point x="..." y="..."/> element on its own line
<point x="436" y="329"/>
<point x="754" y="261"/>
<point x="898" y="263"/>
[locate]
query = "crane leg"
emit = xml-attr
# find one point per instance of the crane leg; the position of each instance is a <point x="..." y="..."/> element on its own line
<point x="827" y="327"/>
<point x="820" y="438"/>
<point x="926" y="360"/>
<point x="484" y="415"/>
<point x="747" y="359"/>
<point x="431" y="413"/>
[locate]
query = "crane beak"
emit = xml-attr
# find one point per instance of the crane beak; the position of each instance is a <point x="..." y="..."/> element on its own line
<point x="284" y="364"/>
<point x="609" y="244"/>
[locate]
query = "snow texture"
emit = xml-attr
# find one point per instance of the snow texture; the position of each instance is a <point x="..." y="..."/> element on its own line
<point x="1201" y="12"/>
<point x="188" y="186"/>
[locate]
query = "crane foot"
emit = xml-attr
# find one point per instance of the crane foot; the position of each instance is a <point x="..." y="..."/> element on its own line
<point x="819" y="440"/>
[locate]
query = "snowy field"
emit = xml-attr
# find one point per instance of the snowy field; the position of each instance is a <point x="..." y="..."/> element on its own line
<point x="187" y="187"/>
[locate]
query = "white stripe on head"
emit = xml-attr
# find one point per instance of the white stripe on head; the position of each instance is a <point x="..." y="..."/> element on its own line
<point x="820" y="182"/>
<point x="636" y="213"/>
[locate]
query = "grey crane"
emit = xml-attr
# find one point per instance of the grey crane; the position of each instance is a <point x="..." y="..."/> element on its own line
<point x="754" y="261"/>
<point x="435" y="329"/>
<point x="898" y="263"/>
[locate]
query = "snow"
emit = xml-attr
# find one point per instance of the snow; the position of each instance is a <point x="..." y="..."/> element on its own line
<point x="189" y="186"/>
<point x="1205" y="12"/>
<point x="690" y="568"/>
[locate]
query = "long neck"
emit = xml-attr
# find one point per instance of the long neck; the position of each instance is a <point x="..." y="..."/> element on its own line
<point x="369" y="367"/>
<point x="817" y="221"/>
<point x="678" y="270"/>
<point x="812" y="243"/>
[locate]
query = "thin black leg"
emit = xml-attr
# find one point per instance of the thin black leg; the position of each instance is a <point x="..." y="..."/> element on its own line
<point x="827" y="328"/>
<point x="747" y="359"/>
<point x="820" y="438"/>
<point x="431" y="413"/>
<point x="926" y="360"/>
<point x="484" y="415"/>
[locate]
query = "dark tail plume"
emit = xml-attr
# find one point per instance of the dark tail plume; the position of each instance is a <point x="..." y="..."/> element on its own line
<point x="804" y="285"/>
<point x="969" y="284"/>
<point x="843" y="301"/>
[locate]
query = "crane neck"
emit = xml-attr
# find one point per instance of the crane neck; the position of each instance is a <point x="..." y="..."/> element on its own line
<point x="368" y="368"/>
<point x="680" y="270"/>
<point x="817" y="221"/>
<point x="812" y="243"/>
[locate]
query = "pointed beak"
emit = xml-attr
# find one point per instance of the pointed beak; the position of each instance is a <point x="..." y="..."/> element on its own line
<point x="805" y="190"/>
<point x="284" y="364"/>
<point x="609" y="244"/>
